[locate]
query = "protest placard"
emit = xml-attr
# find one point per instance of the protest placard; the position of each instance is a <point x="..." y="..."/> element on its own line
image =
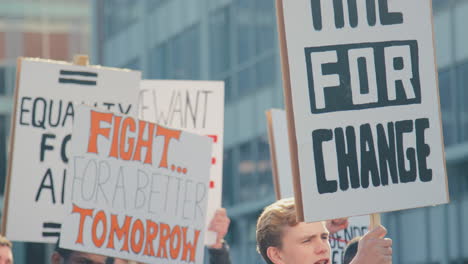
<point x="358" y="226"/>
<point x="137" y="190"/>
<point x="279" y="151"/>
<point x="192" y="106"/>
<point x="281" y="163"/>
<point x="362" y="106"/>
<point x="45" y="94"/>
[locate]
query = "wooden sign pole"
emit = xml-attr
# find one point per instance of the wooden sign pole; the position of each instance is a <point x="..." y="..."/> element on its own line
<point x="80" y="59"/>
<point x="289" y="112"/>
<point x="10" y="150"/>
<point x="374" y="221"/>
<point x="274" y="161"/>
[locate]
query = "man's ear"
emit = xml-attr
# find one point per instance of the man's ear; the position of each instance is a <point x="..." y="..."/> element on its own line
<point x="55" y="258"/>
<point x="274" y="254"/>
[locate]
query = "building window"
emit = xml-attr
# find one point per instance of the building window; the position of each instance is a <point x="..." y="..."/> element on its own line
<point x="158" y="61"/>
<point x="439" y="3"/>
<point x="178" y="57"/>
<point x="220" y="41"/>
<point x="3" y="84"/>
<point x="154" y="4"/>
<point x="245" y="28"/>
<point x="255" y="27"/>
<point x="228" y="91"/>
<point x="462" y="82"/>
<point x="119" y="15"/>
<point x="255" y="40"/>
<point x="265" y="25"/>
<point x="10" y="79"/>
<point x="34" y="44"/>
<point x="448" y="108"/>
<point x="245" y="81"/>
<point x="266" y="72"/>
<point x="228" y="177"/>
<point x="185" y="55"/>
<point x="2" y="46"/>
<point x="58" y="47"/>
<point x="464" y="183"/>
<point x="255" y="170"/>
<point x="248" y="182"/>
<point x="265" y="180"/>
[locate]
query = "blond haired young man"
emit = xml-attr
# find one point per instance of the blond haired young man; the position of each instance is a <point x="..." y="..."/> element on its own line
<point x="6" y="256"/>
<point x="283" y="240"/>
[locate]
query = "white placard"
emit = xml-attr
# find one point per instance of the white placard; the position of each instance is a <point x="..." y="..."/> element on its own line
<point x="138" y="190"/>
<point x="45" y="96"/>
<point x="282" y="158"/>
<point x="358" y="226"/>
<point x="364" y="95"/>
<point x="193" y="106"/>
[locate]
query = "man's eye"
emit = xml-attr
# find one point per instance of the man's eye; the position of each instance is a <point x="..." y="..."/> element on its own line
<point x="325" y="237"/>
<point x="306" y="240"/>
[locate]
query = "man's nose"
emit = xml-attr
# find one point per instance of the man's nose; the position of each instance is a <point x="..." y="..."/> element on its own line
<point x="321" y="248"/>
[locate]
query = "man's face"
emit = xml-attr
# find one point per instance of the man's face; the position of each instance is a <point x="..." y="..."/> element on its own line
<point x="6" y="257"/>
<point x="305" y="243"/>
<point x="85" y="258"/>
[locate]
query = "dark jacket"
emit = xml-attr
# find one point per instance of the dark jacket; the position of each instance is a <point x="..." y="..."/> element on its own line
<point x="219" y="256"/>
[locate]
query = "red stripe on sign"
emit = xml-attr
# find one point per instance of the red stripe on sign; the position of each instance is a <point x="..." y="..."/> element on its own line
<point x="211" y="184"/>
<point x="214" y="137"/>
<point x="339" y="240"/>
<point x="213" y="161"/>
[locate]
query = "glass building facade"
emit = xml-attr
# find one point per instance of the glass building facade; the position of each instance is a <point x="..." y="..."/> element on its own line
<point x="49" y="29"/>
<point x="233" y="41"/>
<point x="236" y="41"/>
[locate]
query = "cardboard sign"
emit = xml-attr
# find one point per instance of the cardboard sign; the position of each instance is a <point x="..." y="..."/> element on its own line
<point x="358" y="226"/>
<point x="278" y="139"/>
<point x="45" y="95"/>
<point x="138" y="190"/>
<point x="362" y="106"/>
<point x="279" y="150"/>
<point x="196" y="107"/>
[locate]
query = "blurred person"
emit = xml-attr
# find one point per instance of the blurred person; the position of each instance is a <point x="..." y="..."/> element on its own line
<point x="351" y="250"/>
<point x="219" y="251"/>
<point x="67" y="256"/>
<point x="123" y="261"/>
<point x="120" y="261"/>
<point x="6" y="255"/>
<point x="283" y="240"/>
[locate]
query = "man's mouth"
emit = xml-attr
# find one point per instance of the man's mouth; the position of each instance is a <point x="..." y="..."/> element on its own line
<point x="322" y="261"/>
